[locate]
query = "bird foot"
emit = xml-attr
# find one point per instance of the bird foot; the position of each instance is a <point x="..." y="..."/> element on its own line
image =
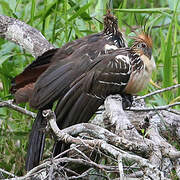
<point x="127" y="100"/>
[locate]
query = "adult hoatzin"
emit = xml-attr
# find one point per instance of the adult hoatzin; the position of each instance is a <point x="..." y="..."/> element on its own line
<point x="80" y="75"/>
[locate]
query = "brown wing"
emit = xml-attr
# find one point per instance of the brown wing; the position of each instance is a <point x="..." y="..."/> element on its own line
<point x="109" y="75"/>
<point x="95" y="45"/>
<point x="33" y="71"/>
<point x="55" y="81"/>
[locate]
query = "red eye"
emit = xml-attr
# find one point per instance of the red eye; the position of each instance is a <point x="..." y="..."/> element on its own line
<point x="143" y="45"/>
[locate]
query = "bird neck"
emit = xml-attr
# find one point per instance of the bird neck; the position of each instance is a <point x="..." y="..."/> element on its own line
<point x="149" y="64"/>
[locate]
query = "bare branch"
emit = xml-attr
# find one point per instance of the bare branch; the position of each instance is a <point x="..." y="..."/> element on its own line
<point x="10" y="104"/>
<point x="120" y="165"/>
<point x="158" y="108"/>
<point x="109" y="137"/>
<point x="105" y="147"/>
<point x="7" y="173"/>
<point x="115" y="113"/>
<point x="158" y="92"/>
<point x="24" y="35"/>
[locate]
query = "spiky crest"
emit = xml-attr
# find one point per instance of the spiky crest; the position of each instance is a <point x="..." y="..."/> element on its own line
<point x="110" y="23"/>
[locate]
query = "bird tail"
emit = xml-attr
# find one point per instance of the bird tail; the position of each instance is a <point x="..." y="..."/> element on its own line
<point x="36" y="142"/>
<point x="60" y="147"/>
<point x="75" y="107"/>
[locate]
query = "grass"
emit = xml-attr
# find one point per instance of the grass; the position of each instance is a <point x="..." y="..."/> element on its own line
<point x="64" y="21"/>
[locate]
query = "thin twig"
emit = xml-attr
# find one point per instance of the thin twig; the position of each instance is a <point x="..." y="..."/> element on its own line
<point x="120" y="165"/>
<point x="8" y="173"/>
<point x="158" y="92"/>
<point x="174" y="111"/>
<point x="10" y="104"/>
<point x="81" y="153"/>
<point x="166" y="107"/>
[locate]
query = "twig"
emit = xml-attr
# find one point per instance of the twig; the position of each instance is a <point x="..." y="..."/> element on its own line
<point x="66" y="151"/>
<point x="71" y="171"/>
<point x="158" y="92"/>
<point x="166" y="107"/>
<point x="137" y="174"/>
<point x="10" y="104"/>
<point x="87" y="173"/>
<point x="120" y="165"/>
<point x="174" y="111"/>
<point x="8" y="173"/>
<point x="81" y="153"/>
<point x="51" y="170"/>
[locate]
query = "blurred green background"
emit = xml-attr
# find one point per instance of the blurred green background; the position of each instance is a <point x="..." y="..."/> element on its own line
<point x="61" y="21"/>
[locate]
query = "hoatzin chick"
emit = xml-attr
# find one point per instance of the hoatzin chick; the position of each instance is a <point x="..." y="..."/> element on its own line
<point x="55" y="75"/>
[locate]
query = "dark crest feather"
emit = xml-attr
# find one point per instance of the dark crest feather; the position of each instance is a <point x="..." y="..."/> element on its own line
<point x="110" y="23"/>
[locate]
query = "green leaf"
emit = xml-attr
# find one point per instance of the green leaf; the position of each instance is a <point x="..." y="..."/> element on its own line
<point x="85" y="16"/>
<point x="33" y="7"/>
<point x="148" y="10"/>
<point x="167" y="70"/>
<point x="48" y="11"/>
<point x="80" y="12"/>
<point x="178" y="65"/>
<point x="6" y="7"/>
<point x="142" y="131"/>
<point x="4" y="58"/>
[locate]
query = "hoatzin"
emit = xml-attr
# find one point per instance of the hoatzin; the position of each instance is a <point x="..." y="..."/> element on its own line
<point x="80" y="75"/>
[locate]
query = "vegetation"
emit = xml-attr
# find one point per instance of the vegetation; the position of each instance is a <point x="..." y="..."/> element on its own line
<point x="63" y="21"/>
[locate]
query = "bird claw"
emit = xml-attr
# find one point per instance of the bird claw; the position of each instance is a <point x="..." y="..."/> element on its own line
<point x="46" y="113"/>
<point x="127" y="100"/>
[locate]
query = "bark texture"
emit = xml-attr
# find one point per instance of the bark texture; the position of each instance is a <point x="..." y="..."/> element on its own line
<point x="24" y="35"/>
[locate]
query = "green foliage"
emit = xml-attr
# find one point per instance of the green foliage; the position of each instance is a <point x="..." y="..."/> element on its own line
<point x="62" y="21"/>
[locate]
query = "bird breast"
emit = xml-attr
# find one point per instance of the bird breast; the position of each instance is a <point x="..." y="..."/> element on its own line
<point x="140" y="78"/>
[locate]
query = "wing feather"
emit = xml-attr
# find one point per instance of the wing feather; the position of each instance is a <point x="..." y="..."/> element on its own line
<point x="33" y="71"/>
<point x="88" y="91"/>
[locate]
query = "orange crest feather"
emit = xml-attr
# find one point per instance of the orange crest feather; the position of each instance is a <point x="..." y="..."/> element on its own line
<point x="145" y="38"/>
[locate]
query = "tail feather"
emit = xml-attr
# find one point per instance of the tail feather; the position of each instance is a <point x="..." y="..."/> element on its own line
<point x="60" y="147"/>
<point x="76" y="107"/>
<point x="36" y="143"/>
<point x="80" y="110"/>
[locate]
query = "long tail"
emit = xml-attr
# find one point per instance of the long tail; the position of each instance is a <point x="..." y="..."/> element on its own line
<point x="36" y="143"/>
<point x="75" y="107"/>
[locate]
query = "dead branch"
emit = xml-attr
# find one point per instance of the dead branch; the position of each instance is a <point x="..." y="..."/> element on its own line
<point x="10" y="105"/>
<point x="7" y="173"/>
<point x="158" y="91"/>
<point x="24" y="35"/>
<point x="158" y="108"/>
<point x="117" y="153"/>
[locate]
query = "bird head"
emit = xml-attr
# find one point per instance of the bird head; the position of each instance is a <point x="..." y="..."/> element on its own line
<point x="142" y="44"/>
